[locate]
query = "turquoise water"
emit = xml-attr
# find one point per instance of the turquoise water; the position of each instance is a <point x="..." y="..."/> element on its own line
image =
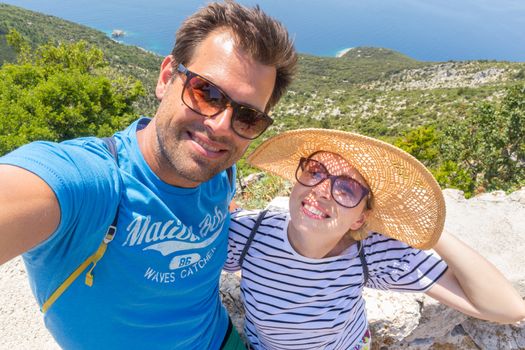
<point x="430" y="30"/>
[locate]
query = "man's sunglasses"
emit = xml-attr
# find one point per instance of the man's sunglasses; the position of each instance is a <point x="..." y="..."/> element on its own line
<point x="344" y="190"/>
<point x="207" y="99"/>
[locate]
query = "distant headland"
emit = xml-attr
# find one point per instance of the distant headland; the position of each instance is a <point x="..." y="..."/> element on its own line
<point x="342" y="52"/>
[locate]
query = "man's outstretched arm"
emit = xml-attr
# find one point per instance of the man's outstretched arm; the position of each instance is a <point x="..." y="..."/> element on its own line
<point x="29" y="211"/>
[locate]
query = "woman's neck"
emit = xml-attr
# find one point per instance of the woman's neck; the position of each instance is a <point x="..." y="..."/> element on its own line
<point x="315" y="249"/>
<point x="344" y="243"/>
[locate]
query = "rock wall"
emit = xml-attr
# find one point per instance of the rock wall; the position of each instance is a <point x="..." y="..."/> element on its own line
<point x="494" y="223"/>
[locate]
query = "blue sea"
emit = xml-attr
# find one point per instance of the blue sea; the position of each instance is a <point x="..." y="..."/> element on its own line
<point x="428" y="30"/>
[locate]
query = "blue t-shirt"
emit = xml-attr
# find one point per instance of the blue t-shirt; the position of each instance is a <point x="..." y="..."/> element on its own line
<point x="157" y="286"/>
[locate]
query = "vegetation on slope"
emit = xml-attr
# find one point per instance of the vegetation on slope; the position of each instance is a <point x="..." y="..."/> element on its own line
<point x="42" y="29"/>
<point x="60" y="92"/>
<point x="462" y="119"/>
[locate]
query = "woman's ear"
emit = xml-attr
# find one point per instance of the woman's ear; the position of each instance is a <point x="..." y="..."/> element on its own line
<point x="166" y="72"/>
<point x="360" y="221"/>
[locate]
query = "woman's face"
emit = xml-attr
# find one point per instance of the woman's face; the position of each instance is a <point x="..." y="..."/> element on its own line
<point x="315" y="215"/>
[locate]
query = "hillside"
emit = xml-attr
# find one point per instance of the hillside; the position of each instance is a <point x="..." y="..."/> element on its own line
<point x="387" y="95"/>
<point x="374" y="91"/>
<point x="358" y="65"/>
<point x="376" y="53"/>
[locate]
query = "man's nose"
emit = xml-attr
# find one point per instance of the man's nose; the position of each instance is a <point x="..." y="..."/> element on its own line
<point x="220" y="123"/>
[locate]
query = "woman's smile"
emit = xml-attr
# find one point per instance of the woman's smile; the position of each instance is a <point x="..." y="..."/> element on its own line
<point x="313" y="211"/>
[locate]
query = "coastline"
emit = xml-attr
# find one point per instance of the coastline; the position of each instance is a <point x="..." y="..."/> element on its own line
<point x="342" y="52"/>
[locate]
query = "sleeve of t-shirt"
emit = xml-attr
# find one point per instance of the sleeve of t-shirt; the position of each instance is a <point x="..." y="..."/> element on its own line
<point x="394" y="265"/>
<point x="241" y="224"/>
<point x="83" y="176"/>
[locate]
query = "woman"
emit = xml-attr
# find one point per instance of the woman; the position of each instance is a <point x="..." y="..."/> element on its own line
<point x="360" y="213"/>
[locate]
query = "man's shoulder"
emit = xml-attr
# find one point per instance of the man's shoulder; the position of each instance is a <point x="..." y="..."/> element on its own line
<point x="73" y="165"/>
<point x="48" y="153"/>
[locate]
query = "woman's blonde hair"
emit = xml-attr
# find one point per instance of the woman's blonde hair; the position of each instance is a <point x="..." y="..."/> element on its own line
<point x="363" y="232"/>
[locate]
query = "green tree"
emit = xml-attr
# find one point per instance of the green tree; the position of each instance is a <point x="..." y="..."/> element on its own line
<point x="423" y="143"/>
<point x="19" y="44"/>
<point x="449" y="174"/>
<point x="57" y="92"/>
<point x="489" y="144"/>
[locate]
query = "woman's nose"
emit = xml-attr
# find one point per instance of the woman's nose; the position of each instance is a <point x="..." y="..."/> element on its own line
<point x="323" y="189"/>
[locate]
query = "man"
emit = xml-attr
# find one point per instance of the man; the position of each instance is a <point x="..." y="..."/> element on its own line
<point x="156" y="285"/>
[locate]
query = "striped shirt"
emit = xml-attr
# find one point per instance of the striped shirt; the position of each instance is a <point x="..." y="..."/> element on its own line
<point x="295" y="302"/>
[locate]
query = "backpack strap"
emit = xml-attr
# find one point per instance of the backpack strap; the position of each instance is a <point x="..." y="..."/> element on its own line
<point x="363" y="261"/>
<point x="94" y="258"/>
<point x="111" y="144"/>
<point x="229" y="171"/>
<point x="112" y="229"/>
<point x="252" y="234"/>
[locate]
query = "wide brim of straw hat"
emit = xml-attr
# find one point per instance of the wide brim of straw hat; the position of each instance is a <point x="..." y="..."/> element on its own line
<point x="408" y="204"/>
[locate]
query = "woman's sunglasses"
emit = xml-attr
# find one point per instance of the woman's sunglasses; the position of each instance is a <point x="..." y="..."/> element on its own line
<point x="344" y="190"/>
<point x="207" y="99"/>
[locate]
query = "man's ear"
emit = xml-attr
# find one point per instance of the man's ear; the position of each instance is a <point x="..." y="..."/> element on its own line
<point x="166" y="72"/>
<point x="359" y="222"/>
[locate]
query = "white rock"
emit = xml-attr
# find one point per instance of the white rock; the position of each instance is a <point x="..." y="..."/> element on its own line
<point x="278" y="204"/>
<point x="489" y="335"/>
<point x="21" y="323"/>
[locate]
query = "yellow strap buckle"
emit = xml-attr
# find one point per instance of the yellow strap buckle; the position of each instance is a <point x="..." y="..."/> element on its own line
<point x="93" y="259"/>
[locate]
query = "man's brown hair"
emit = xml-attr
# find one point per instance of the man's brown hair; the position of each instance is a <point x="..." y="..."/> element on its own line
<point x="260" y="35"/>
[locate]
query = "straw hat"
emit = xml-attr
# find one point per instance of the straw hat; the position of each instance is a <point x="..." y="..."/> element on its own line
<point x="408" y="202"/>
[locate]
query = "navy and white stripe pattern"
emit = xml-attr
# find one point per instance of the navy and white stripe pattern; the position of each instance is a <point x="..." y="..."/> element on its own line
<point x="295" y="302"/>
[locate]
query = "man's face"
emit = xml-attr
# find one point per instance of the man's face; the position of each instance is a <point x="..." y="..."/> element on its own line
<point x="193" y="148"/>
